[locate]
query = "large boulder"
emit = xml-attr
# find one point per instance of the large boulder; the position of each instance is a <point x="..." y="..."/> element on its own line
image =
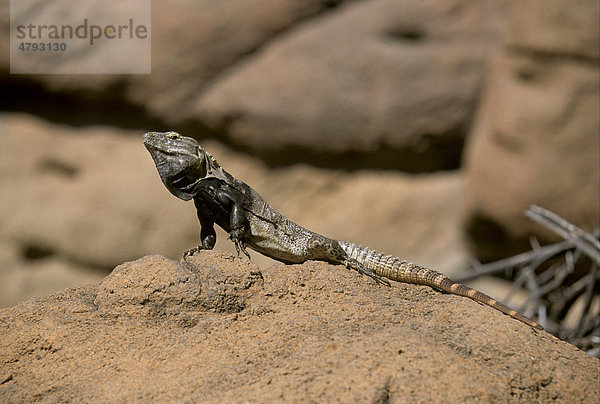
<point x="536" y="140"/>
<point x="373" y="77"/>
<point x="218" y="329"/>
<point x="334" y="77"/>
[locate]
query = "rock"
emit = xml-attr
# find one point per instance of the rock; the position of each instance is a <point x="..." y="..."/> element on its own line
<point x="192" y="43"/>
<point x="367" y="78"/>
<point x="89" y="198"/>
<point x="25" y="274"/>
<point x="556" y="28"/>
<point x="196" y="42"/>
<point x="355" y="80"/>
<point x="166" y="287"/>
<point x="536" y="137"/>
<point x="216" y="329"/>
<point x="90" y="195"/>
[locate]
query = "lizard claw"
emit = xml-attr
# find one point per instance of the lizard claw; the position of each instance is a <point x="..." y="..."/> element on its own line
<point x="363" y="270"/>
<point x="191" y="252"/>
<point x="237" y="237"/>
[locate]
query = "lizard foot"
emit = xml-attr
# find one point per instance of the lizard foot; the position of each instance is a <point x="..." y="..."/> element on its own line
<point x="363" y="270"/>
<point x="191" y="252"/>
<point x="237" y="237"/>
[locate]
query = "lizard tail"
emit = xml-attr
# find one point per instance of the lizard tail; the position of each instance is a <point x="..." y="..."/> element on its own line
<point x="396" y="269"/>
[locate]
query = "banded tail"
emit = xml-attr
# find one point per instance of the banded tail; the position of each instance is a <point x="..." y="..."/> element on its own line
<point x="396" y="269"/>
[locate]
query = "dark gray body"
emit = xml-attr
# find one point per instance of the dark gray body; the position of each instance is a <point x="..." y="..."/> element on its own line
<point x="189" y="172"/>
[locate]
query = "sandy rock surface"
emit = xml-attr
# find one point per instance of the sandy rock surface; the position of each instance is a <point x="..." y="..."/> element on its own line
<point x="218" y="329"/>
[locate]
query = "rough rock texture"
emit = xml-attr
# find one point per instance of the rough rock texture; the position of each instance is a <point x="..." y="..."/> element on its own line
<point x="536" y="140"/>
<point x="76" y="202"/>
<point x="216" y="329"/>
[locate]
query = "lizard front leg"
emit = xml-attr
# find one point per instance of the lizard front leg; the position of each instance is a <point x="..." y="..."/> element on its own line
<point x="208" y="236"/>
<point x="238" y="229"/>
<point x="232" y="201"/>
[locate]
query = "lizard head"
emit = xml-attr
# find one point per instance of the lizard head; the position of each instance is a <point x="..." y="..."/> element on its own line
<point x="181" y="161"/>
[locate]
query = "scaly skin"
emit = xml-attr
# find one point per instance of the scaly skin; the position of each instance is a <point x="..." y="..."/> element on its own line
<point x="399" y="270"/>
<point x="189" y="172"/>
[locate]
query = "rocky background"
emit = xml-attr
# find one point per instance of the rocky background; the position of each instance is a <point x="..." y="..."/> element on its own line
<point x="423" y="129"/>
<point x="420" y="128"/>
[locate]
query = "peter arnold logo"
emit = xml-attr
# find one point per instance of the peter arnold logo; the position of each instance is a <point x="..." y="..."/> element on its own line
<point x="92" y="32"/>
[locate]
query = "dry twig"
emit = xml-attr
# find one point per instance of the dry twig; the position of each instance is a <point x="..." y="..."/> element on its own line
<point x="552" y="293"/>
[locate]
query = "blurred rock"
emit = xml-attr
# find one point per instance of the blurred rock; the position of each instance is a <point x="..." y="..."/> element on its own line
<point x="216" y="329"/>
<point x="88" y="195"/>
<point x="554" y="27"/>
<point x="536" y="140"/>
<point x="91" y="197"/>
<point x="331" y="77"/>
<point x="28" y="272"/>
<point x="366" y="78"/>
<point x="189" y="39"/>
<point x="192" y="42"/>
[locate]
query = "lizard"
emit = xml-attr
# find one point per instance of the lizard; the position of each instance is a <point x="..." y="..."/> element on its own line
<point x="190" y="172"/>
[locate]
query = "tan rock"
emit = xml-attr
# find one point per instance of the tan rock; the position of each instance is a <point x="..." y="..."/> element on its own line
<point x="536" y="138"/>
<point x="215" y="329"/>
<point x="368" y="77"/>
<point x="352" y="77"/>
<point x="192" y="43"/>
<point x="569" y="29"/>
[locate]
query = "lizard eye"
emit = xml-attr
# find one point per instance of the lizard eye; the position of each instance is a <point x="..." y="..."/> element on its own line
<point x="172" y="135"/>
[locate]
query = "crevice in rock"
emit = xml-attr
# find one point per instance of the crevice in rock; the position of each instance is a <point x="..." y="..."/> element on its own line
<point x="492" y="240"/>
<point x="58" y="167"/>
<point x="432" y="153"/>
<point x="552" y="56"/>
<point x="34" y="252"/>
<point x="76" y="107"/>
<point x="408" y="160"/>
<point x="405" y="34"/>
